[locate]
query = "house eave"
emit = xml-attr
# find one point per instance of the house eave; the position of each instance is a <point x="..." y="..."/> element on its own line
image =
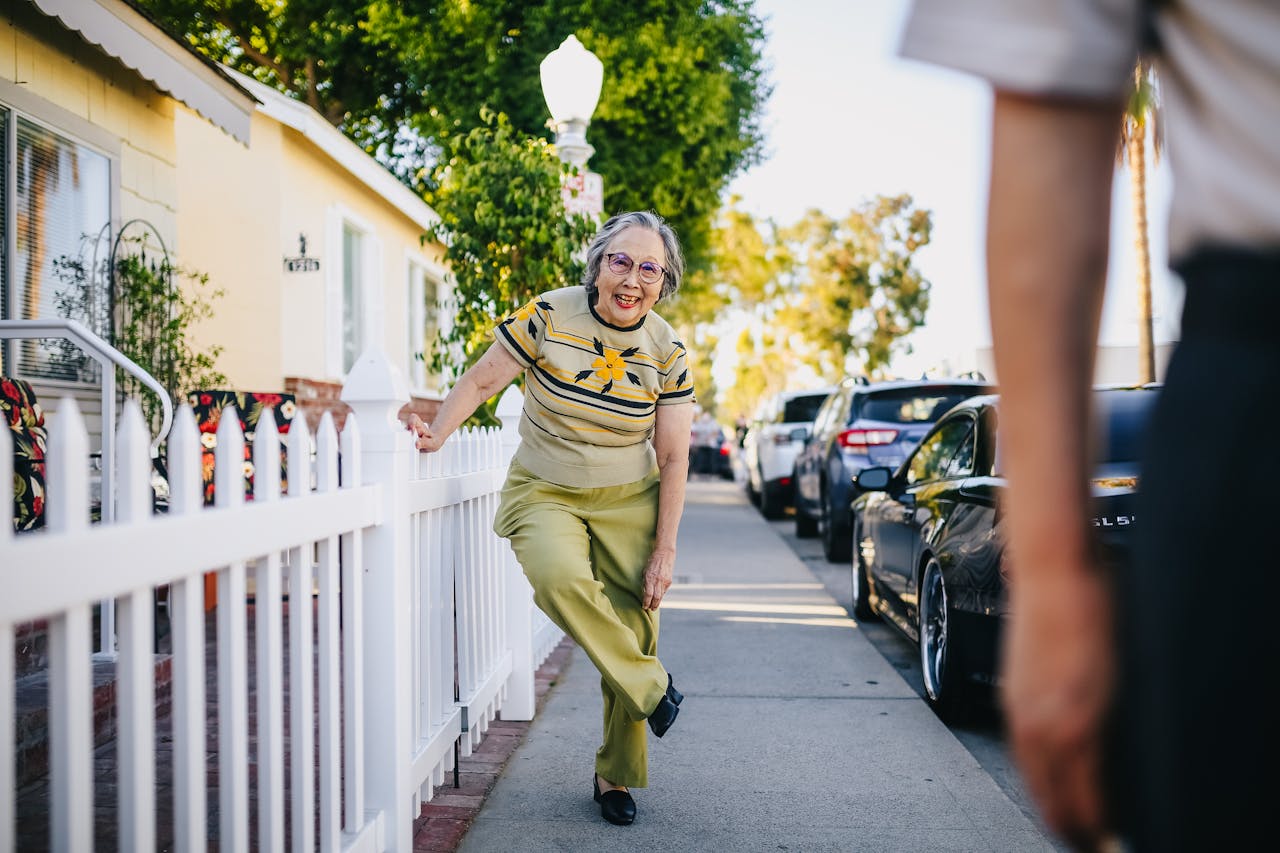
<point x="128" y="36"/>
<point x="351" y="157"/>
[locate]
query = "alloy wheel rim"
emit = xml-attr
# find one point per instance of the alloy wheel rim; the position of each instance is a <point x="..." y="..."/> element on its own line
<point x="933" y="630"/>
<point x="857" y="568"/>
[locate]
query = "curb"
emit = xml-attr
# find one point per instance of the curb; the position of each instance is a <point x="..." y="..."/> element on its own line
<point x="447" y="816"/>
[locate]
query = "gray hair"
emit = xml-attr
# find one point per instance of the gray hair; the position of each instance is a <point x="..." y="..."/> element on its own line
<point x="674" y="264"/>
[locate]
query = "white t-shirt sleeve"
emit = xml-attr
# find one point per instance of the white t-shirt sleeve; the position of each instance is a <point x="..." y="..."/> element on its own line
<point x="1067" y="48"/>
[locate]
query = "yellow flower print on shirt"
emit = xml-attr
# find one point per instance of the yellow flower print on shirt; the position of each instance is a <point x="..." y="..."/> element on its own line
<point x="526" y="314"/>
<point x="611" y="366"/>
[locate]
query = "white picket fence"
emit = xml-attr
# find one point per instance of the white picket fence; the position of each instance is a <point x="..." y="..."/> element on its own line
<point x="412" y="594"/>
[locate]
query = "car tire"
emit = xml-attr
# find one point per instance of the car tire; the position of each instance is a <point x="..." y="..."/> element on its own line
<point x="752" y="494"/>
<point x="837" y="538"/>
<point x="771" y="503"/>
<point x="944" y="688"/>
<point x="861" y="597"/>
<point x="806" y="525"/>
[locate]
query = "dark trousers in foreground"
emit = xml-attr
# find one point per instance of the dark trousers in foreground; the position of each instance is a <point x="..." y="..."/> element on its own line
<point x="1195" y="738"/>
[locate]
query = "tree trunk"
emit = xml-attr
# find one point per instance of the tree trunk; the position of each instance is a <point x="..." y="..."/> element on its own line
<point x="1137" y="143"/>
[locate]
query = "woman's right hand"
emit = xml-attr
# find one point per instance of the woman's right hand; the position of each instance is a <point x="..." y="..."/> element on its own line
<point x="424" y="439"/>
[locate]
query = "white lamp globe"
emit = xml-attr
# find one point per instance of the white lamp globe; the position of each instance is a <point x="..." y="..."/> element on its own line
<point x="571" y="79"/>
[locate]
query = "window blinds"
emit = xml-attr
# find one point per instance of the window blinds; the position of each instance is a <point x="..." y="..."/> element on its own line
<point x="62" y="207"/>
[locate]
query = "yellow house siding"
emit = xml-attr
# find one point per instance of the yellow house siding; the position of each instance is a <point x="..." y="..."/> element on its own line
<point x="228" y="229"/>
<point x="329" y="191"/>
<point x="55" y="67"/>
<point x="242" y="212"/>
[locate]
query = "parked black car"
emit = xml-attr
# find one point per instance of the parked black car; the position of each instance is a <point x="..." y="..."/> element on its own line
<point x="929" y="543"/>
<point x="863" y="424"/>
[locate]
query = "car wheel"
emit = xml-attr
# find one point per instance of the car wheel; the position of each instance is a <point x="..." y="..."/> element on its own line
<point x="939" y="661"/>
<point x="837" y="537"/>
<point x="771" y="503"/>
<point x="806" y="525"/>
<point x="861" y="589"/>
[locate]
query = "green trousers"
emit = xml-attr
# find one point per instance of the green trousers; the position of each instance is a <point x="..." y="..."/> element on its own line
<point x="584" y="552"/>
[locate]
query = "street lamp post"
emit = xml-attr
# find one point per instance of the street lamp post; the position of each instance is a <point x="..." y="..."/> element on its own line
<point x="571" y="80"/>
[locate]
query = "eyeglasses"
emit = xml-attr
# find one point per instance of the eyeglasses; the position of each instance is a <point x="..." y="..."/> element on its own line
<point x="620" y="264"/>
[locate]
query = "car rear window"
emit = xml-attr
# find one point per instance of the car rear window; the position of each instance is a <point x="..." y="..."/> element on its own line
<point x="1124" y="416"/>
<point x="802" y="409"/>
<point x="913" y="405"/>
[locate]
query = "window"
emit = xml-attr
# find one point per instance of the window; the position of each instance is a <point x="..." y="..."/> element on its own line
<point x="55" y="237"/>
<point x="354" y="308"/>
<point x="914" y="405"/>
<point x="424" y="312"/>
<point x="802" y="409"/>
<point x="932" y="457"/>
<point x="827" y="414"/>
<point x="962" y="463"/>
<point x="353" y="286"/>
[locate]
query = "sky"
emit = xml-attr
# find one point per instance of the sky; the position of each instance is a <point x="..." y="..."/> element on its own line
<point x="848" y="120"/>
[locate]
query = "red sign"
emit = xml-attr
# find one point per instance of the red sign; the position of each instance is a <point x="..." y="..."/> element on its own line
<point x="583" y="193"/>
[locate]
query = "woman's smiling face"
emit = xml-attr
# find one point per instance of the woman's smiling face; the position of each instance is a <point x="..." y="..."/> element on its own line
<point x="623" y="300"/>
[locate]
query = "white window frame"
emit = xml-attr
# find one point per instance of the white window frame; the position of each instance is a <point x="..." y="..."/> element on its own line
<point x="21" y="103"/>
<point x="370" y="290"/>
<point x="420" y="380"/>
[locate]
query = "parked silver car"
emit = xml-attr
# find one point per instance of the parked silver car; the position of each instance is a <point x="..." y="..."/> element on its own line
<point x="776" y="434"/>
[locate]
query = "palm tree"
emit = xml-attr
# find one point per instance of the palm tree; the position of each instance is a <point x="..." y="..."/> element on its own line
<point x="1142" y="113"/>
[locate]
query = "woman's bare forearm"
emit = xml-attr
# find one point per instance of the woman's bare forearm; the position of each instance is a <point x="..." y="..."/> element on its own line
<point x="495" y="370"/>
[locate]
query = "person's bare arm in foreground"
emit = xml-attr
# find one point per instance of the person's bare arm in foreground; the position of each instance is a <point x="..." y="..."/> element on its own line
<point x="1052" y="163"/>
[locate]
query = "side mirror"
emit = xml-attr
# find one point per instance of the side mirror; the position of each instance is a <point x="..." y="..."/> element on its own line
<point x="874" y="479"/>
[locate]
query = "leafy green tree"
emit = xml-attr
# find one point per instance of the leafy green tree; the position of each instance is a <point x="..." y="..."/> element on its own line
<point x="505" y="231"/>
<point x="678" y="116"/>
<point x="821" y="298"/>
<point x="861" y="293"/>
<point x="154" y="306"/>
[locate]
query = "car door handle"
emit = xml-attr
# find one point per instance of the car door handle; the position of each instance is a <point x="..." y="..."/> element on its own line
<point x="908" y="515"/>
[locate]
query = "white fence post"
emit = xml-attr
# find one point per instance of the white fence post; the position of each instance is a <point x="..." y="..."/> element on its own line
<point x="521" y="698"/>
<point x="375" y="391"/>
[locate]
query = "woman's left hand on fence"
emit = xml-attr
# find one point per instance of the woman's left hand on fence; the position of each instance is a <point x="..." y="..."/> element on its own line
<point x="424" y="439"/>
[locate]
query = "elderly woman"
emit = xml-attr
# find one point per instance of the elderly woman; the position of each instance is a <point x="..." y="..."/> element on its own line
<point x="594" y="495"/>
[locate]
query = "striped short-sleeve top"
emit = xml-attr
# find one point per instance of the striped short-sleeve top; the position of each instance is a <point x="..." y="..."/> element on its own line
<point x="591" y="389"/>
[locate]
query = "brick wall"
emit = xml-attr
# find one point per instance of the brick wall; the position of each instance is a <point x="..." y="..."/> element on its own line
<point x="315" y="397"/>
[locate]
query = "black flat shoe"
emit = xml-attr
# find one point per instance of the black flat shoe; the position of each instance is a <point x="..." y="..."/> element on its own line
<point x="673" y="694"/>
<point x="663" y="715"/>
<point x="616" y="806"/>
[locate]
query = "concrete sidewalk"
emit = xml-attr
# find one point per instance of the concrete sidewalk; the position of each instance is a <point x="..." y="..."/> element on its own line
<point x="795" y="733"/>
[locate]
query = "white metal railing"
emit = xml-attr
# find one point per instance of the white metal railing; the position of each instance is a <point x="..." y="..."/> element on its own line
<point x="400" y="553"/>
<point x="108" y="358"/>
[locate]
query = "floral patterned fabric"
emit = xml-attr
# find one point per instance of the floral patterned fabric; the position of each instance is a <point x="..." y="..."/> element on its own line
<point x="208" y="407"/>
<point x="25" y="419"/>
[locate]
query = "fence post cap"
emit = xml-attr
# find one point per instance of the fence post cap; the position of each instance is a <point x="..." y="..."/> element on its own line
<point x="511" y="403"/>
<point x="374" y="379"/>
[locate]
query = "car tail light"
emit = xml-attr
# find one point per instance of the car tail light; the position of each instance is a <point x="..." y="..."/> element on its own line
<point x="861" y="439"/>
<point x="724" y="450"/>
